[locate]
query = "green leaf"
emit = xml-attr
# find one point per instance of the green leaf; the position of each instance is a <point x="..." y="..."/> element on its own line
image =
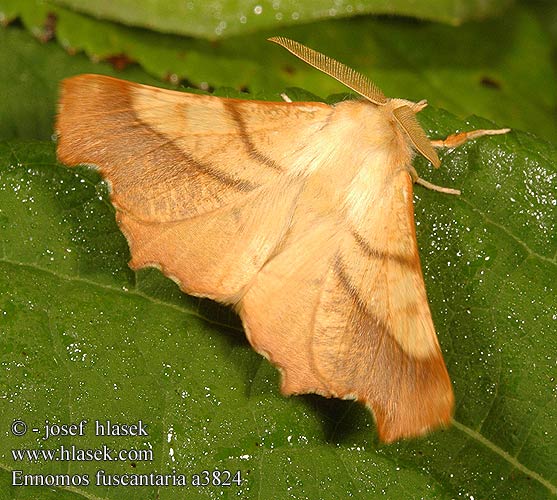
<point x="30" y="87"/>
<point x="83" y="337"/>
<point x="500" y="69"/>
<point x="225" y="18"/>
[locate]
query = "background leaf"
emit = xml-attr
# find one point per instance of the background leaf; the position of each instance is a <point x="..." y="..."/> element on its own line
<point x="30" y="88"/>
<point x="225" y="17"/>
<point x="81" y="336"/>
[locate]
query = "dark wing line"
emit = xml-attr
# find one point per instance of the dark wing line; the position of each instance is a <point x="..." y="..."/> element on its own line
<point x="352" y="291"/>
<point x="373" y="253"/>
<point x="203" y="167"/>
<point x="206" y="168"/>
<point x="253" y="152"/>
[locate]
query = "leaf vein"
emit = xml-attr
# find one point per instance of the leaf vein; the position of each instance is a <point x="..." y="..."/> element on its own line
<point x="506" y="231"/>
<point x="132" y="292"/>
<point x="506" y="456"/>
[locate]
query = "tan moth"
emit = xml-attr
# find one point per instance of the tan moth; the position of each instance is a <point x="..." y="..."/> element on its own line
<point x="299" y="214"/>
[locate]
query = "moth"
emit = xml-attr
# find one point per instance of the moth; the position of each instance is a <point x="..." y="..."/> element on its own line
<point x="298" y="214"/>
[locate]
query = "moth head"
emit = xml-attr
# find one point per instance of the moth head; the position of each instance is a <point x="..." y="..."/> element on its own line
<point x="404" y="112"/>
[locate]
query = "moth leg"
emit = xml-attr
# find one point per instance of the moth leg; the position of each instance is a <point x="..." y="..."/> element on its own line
<point x="434" y="187"/>
<point x="455" y="140"/>
<point x="285" y="98"/>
